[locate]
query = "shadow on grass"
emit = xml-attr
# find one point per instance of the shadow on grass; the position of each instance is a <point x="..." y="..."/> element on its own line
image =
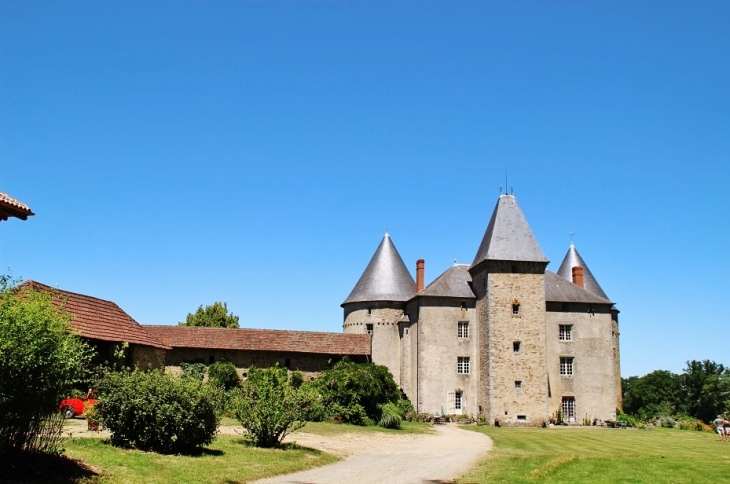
<point x="31" y="467"/>
<point x="284" y="446"/>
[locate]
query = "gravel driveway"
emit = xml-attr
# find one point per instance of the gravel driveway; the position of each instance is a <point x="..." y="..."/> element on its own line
<point x="398" y="459"/>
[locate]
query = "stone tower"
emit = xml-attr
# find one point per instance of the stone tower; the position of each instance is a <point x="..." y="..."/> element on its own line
<point x="508" y="280"/>
<point x="378" y="303"/>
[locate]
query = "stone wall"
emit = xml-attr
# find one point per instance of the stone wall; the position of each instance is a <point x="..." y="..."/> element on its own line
<point x="309" y="364"/>
<point x="384" y="317"/>
<point x="499" y="286"/>
<point x="147" y="357"/>
<point x="593" y="383"/>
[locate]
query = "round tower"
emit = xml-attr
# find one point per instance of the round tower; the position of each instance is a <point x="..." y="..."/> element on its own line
<point x="378" y="302"/>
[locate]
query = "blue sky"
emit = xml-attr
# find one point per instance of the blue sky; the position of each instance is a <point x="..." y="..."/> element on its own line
<point x="179" y="153"/>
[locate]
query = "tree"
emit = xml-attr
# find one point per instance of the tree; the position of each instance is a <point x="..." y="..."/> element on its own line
<point x="40" y="361"/>
<point x="214" y="316"/>
<point x="269" y="407"/>
<point x="706" y="385"/>
<point x="658" y="393"/>
<point x="354" y="392"/>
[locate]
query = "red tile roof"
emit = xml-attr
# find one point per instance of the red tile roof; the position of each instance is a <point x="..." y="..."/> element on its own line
<point x="98" y="319"/>
<point x="262" y="340"/>
<point x="10" y="207"/>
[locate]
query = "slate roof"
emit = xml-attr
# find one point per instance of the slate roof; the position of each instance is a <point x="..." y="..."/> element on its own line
<point x="573" y="259"/>
<point x="98" y="319"/>
<point x="386" y="277"/>
<point x="455" y="282"/>
<point x="262" y="340"/>
<point x="508" y="236"/>
<point x="557" y="289"/>
<point x="10" y="207"/>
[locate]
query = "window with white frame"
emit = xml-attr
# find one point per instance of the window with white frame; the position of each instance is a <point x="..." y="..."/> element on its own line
<point x="566" y="332"/>
<point x="566" y="366"/>
<point x="462" y="365"/>
<point x="463" y="329"/>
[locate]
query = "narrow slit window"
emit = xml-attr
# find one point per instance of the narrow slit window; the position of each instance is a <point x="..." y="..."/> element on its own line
<point x="516" y="346"/>
<point x="516" y="308"/>
<point x="518" y="385"/>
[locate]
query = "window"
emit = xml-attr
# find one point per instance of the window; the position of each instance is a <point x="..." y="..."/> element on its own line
<point x="369" y="328"/>
<point x="566" y="366"/>
<point x="566" y="332"/>
<point x="516" y="346"/>
<point x="522" y="418"/>
<point x="462" y="365"/>
<point x="515" y="308"/>
<point x="454" y="402"/>
<point x="463" y="329"/>
<point x="518" y="385"/>
<point x="287" y="363"/>
<point x="569" y="409"/>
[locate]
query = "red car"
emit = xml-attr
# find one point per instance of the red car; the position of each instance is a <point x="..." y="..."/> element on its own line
<point x="71" y="407"/>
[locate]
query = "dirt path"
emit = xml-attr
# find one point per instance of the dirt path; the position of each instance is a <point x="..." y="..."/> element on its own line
<point x="437" y="457"/>
<point x="398" y="459"/>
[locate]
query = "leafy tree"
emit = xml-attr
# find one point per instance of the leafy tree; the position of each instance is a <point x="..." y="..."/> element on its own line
<point x="706" y="385"/>
<point x="153" y="410"/>
<point x="354" y="392"/>
<point x="214" y="316"/>
<point x="655" y="394"/>
<point x="269" y="407"/>
<point x="40" y="361"/>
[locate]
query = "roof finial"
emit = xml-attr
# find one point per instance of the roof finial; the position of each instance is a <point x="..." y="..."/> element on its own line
<point x="571" y="233"/>
<point x="505" y="181"/>
<point x="386" y="233"/>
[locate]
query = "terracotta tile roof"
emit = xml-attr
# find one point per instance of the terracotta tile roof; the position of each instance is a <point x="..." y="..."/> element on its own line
<point x="262" y="340"/>
<point x="98" y="319"/>
<point x="10" y="207"/>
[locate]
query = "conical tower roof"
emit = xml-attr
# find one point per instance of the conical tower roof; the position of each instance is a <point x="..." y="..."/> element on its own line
<point x="508" y="236"/>
<point x="573" y="259"/>
<point x="386" y="277"/>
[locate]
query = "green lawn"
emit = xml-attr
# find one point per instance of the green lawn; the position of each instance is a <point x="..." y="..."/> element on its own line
<point x="602" y="456"/>
<point x="325" y="428"/>
<point x="227" y="460"/>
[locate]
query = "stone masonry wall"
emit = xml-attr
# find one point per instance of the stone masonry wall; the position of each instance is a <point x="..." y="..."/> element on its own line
<point x="528" y="403"/>
<point x="384" y="317"/>
<point x="147" y="357"/>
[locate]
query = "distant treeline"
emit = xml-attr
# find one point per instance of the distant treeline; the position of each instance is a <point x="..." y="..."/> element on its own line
<point x="701" y="391"/>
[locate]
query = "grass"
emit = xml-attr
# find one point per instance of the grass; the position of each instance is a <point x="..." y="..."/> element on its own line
<point x="326" y="428"/>
<point x="601" y="456"/>
<point x="227" y="460"/>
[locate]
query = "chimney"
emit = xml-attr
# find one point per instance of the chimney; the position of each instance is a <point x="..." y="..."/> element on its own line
<point x="420" y="270"/>
<point x="578" y="276"/>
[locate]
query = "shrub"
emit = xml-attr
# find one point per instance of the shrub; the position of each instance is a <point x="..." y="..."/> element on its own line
<point x="40" y="361"/>
<point x="157" y="411"/>
<point x="194" y="371"/>
<point x="354" y="392"/>
<point x="404" y="407"/>
<point x="269" y="407"/>
<point x="223" y="373"/>
<point x="630" y="420"/>
<point x="390" y="417"/>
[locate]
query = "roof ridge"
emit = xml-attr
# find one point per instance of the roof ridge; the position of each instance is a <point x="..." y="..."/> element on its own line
<point x="238" y="329"/>
<point x="33" y="282"/>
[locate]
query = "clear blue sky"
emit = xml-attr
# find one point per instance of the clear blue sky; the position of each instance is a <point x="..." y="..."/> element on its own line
<point x="179" y="153"/>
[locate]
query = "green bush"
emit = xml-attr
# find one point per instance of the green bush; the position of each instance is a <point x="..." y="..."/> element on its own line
<point x="353" y="392"/>
<point x="194" y="371"/>
<point x="40" y="361"/>
<point x="390" y="417"/>
<point x="157" y="411"/>
<point x="404" y="407"/>
<point x="630" y="420"/>
<point x="223" y="373"/>
<point x="268" y="406"/>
